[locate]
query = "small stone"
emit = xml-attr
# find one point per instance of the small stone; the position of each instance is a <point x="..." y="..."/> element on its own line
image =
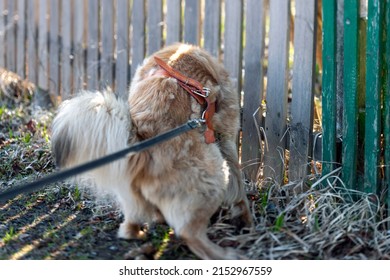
<point x="113" y="248"/>
<point x="23" y="236"/>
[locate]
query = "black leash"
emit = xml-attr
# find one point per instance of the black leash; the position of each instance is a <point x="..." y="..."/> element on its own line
<point x="40" y="183"/>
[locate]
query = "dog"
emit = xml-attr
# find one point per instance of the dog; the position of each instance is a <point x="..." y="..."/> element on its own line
<point x="182" y="181"/>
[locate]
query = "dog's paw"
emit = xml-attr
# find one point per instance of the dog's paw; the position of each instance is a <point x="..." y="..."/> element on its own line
<point x="145" y="252"/>
<point x="130" y="231"/>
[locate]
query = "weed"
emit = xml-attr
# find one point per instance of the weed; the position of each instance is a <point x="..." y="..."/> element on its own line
<point x="42" y="128"/>
<point x="51" y="231"/>
<point x="10" y="133"/>
<point x="279" y="222"/>
<point x="160" y="235"/>
<point x="26" y="138"/>
<point x="9" y="235"/>
<point x="76" y="194"/>
<point x="2" y="110"/>
<point x="85" y="231"/>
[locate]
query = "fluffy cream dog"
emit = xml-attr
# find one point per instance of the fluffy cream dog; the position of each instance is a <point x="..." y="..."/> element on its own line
<point x="182" y="181"/>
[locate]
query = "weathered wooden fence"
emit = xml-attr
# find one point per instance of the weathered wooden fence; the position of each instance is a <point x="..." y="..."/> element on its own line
<point x="63" y="46"/>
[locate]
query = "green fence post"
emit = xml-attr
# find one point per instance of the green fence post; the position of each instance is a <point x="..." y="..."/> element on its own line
<point x="373" y="101"/>
<point x="329" y="86"/>
<point x="350" y="120"/>
<point x="386" y="107"/>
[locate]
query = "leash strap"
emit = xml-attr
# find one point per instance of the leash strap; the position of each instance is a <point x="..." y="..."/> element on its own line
<point x="40" y="183"/>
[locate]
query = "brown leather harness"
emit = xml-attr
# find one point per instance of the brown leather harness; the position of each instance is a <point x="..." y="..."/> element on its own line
<point x="197" y="91"/>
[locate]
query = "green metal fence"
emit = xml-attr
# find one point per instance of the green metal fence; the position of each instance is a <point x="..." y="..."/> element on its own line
<point x="365" y="153"/>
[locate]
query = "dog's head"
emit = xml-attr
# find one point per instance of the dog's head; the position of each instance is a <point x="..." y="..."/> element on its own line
<point x="199" y="65"/>
<point x="190" y="60"/>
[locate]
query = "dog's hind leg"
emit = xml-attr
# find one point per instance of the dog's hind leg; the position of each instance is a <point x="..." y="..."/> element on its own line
<point x="189" y="213"/>
<point x="136" y="212"/>
<point x="236" y="195"/>
<point x="194" y="232"/>
<point x="195" y="236"/>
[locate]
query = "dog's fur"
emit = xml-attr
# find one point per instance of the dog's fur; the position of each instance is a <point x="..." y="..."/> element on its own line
<point x="182" y="181"/>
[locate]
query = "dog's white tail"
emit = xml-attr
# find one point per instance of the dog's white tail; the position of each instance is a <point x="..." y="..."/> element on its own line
<point x="90" y="126"/>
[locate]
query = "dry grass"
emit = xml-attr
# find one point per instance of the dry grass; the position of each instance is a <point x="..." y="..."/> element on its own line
<point x="13" y="88"/>
<point x="314" y="220"/>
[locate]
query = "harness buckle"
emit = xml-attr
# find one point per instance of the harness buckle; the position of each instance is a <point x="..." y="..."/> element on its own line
<point x="205" y="92"/>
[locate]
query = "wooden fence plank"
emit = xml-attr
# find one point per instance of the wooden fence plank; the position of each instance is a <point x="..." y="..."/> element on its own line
<point x="275" y="122"/>
<point x="32" y="72"/>
<point x="122" y="47"/>
<point x="138" y="34"/>
<point x="373" y="84"/>
<point x="21" y="39"/>
<point x="253" y="87"/>
<point x="78" y="45"/>
<point x="301" y="125"/>
<point x="192" y="21"/>
<point x="54" y="50"/>
<point x="43" y="54"/>
<point x="155" y="24"/>
<point x="10" y="35"/>
<point x="107" y="40"/>
<point x="339" y="68"/>
<point x="329" y="86"/>
<point x="173" y="21"/>
<point x="66" y="66"/>
<point x="2" y="33"/>
<point x="93" y="45"/>
<point x="212" y="27"/>
<point x="233" y="41"/>
<point x="386" y="105"/>
<point x="350" y="126"/>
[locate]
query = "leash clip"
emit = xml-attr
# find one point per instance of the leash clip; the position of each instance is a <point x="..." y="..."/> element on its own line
<point x="196" y="123"/>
